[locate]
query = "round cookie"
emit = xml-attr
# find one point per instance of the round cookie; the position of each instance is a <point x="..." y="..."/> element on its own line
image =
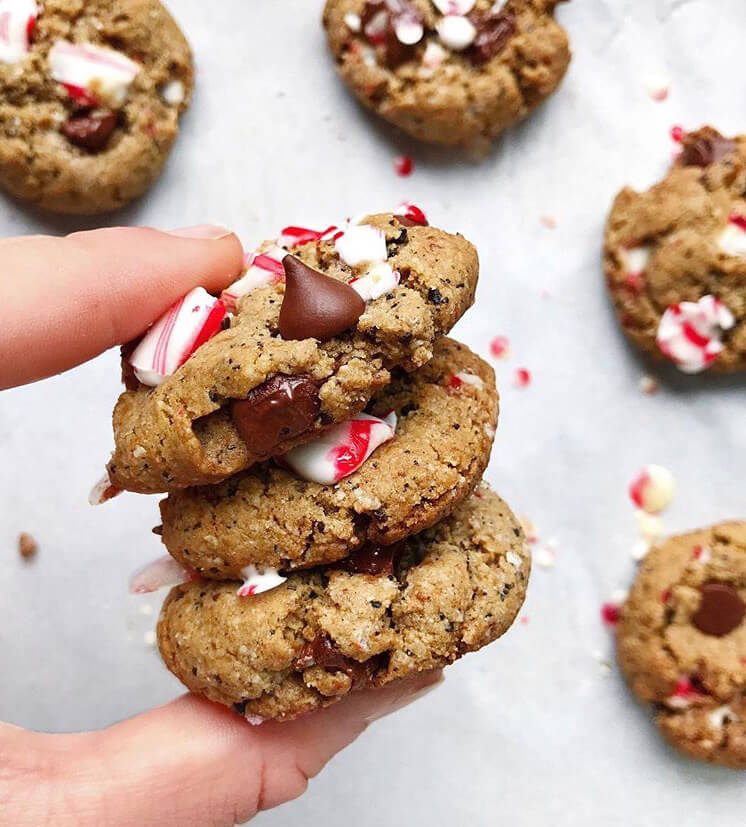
<point x="269" y="516"/>
<point x="460" y="78"/>
<point x="681" y="641"/>
<point x="675" y="258"/>
<point x="250" y="393"/>
<point x="90" y="99"/>
<point x="306" y="644"/>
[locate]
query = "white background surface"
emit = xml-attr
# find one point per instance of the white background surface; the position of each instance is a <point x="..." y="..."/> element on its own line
<point x="530" y="731"/>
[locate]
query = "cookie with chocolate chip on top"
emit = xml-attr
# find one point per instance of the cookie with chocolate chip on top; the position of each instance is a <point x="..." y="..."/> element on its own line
<point x="91" y="94"/>
<point x="380" y="615"/>
<point x="319" y="322"/>
<point x="681" y="641"/>
<point x="451" y="72"/>
<point x="675" y="257"/>
<point x="365" y="481"/>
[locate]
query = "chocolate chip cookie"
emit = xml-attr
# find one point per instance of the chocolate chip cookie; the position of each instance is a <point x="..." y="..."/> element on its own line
<point x="90" y="99"/>
<point x="675" y="257"/>
<point x="452" y="72"/>
<point x="274" y="516"/>
<point x="380" y="616"/>
<point x="305" y="351"/>
<point x="682" y="641"/>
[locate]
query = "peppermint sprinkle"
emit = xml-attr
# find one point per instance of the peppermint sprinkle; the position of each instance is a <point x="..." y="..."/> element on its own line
<point x="404" y="166"/>
<point x="500" y="347"/>
<point x="522" y="378"/>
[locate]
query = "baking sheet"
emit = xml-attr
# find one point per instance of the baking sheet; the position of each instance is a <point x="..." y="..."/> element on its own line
<point x="533" y="730"/>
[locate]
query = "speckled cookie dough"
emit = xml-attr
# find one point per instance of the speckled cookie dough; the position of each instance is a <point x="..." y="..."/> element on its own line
<point x="306" y="644"/>
<point x="270" y="516"/>
<point x="452" y="72"/>
<point x="682" y="641"/>
<point x="250" y="393"/>
<point x="675" y="258"/>
<point x="90" y="99"/>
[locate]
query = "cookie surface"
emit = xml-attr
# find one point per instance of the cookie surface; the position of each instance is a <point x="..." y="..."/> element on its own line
<point x="681" y="641"/>
<point x="454" y="588"/>
<point x="183" y="432"/>
<point x="269" y="516"/>
<point x="460" y="79"/>
<point x="675" y="258"/>
<point x="83" y="130"/>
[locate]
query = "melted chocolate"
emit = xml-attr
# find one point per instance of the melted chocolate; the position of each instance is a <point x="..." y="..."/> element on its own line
<point x="322" y="652"/>
<point x="375" y="560"/>
<point x="395" y="52"/>
<point x="494" y="30"/>
<point x="91" y="130"/>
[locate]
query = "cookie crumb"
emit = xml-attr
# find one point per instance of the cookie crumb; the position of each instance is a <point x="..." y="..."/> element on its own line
<point x="27" y="546"/>
<point x="549" y="221"/>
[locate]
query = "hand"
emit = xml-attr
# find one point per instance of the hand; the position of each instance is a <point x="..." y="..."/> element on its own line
<point x="63" y="301"/>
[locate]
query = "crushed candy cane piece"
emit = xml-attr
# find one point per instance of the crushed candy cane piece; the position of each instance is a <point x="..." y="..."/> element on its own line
<point x="690" y="333"/>
<point x="500" y="347"/>
<point x="652" y="489"/>
<point x="259" y="579"/>
<point x="173" y="92"/>
<point x="158" y="574"/>
<point x="403" y="165"/>
<point x="149" y="638"/>
<point x="454" y="6"/>
<point x="433" y="55"/>
<point x="522" y="378"/>
<point x="362" y="244"/>
<point x="185" y="326"/>
<point x="103" y="491"/>
<point x="546" y="555"/>
<point x="640" y="550"/>
<point x="685" y="694"/>
<point x="353" y="22"/>
<point x="342" y="449"/>
<point x="677" y="133"/>
<point x="529" y="529"/>
<point x="456" y="32"/>
<point x="635" y="259"/>
<point x="17" y="21"/>
<point x="648" y="385"/>
<point x="298" y="236"/>
<point x="411" y="212"/>
<point x="260" y="270"/>
<point x="702" y="554"/>
<point x="378" y="281"/>
<point x="611" y="610"/>
<point x="465" y="378"/>
<point x="732" y="240"/>
<point x="649" y="526"/>
<point x="658" y="87"/>
<point x="103" y="73"/>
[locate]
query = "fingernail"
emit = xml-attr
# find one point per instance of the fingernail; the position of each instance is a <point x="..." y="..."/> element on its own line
<point x="426" y="684"/>
<point x="210" y="232"/>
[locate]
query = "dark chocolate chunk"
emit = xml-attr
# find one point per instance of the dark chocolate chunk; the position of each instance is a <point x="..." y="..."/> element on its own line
<point x="720" y="611"/>
<point x="281" y="408"/>
<point x="375" y="560"/>
<point x="91" y="130"/>
<point x="434" y="296"/>
<point x="322" y="652"/>
<point x="494" y="30"/>
<point x="316" y="306"/>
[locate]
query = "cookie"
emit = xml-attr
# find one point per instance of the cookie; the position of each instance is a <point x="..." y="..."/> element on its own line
<point x="280" y="375"/>
<point x="451" y="72"/>
<point x="682" y="641"/>
<point x="325" y="632"/>
<point x="271" y="516"/>
<point x="90" y="99"/>
<point x="675" y="258"/>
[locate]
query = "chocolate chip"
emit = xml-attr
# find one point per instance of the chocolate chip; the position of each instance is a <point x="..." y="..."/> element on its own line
<point x="316" y="306"/>
<point x="720" y="611"/>
<point x="701" y="150"/>
<point x="494" y="30"/>
<point x="374" y="560"/>
<point x="434" y="296"/>
<point x="322" y="651"/>
<point x="91" y="130"/>
<point x="281" y="408"/>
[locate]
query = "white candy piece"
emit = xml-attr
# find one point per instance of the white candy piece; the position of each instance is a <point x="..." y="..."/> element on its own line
<point x="465" y="378"/>
<point x="456" y="32"/>
<point x="173" y="92"/>
<point x="378" y="281"/>
<point x="434" y="55"/>
<point x="690" y="333"/>
<point x="102" y="72"/>
<point x="164" y="571"/>
<point x="653" y="489"/>
<point x="342" y="449"/>
<point x="353" y="22"/>
<point x="16" y="22"/>
<point x="649" y="526"/>
<point x="408" y="31"/>
<point x="635" y="259"/>
<point x="732" y="240"/>
<point x="170" y="341"/>
<point x="454" y="6"/>
<point x="362" y="244"/>
<point x="258" y="580"/>
<point x="261" y="270"/>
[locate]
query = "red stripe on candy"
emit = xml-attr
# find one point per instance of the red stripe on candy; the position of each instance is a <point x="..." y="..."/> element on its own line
<point x="161" y="348"/>
<point x="209" y="329"/>
<point x="269" y="264"/>
<point x="693" y="335"/>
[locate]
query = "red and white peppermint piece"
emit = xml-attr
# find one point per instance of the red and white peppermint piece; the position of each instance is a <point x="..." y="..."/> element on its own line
<point x="500" y="347"/>
<point x="260" y="270"/>
<point x="689" y="333"/>
<point x="412" y="212"/>
<point x="522" y="378"/>
<point x="702" y="554"/>
<point x="635" y="261"/>
<point x="456" y="32"/>
<point x="103" y="491"/>
<point x="462" y="378"/>
<point x="652" y="489"/>
<point x="342" y="449"/>
<point x="92" y="72"/>
<point x="185" y="326"/>
<point x="732" y="240"/>
<point x="362" y="244"/>
<point x="258" y="579"/>
<point x="17" y="21"/>
<point x="375" y="28"/>
<point x="159" y="574"/>
<point x="611" y="610"/>
<point x="433" y="55"/>
<point x="378" y="281"/>
<point x="298" y="236"/>
<point x="454" y="6"/>
<point x="684" y="695"/>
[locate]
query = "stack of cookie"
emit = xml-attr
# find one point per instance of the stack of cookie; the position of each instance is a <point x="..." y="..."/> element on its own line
<point x="322" y="445"/>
